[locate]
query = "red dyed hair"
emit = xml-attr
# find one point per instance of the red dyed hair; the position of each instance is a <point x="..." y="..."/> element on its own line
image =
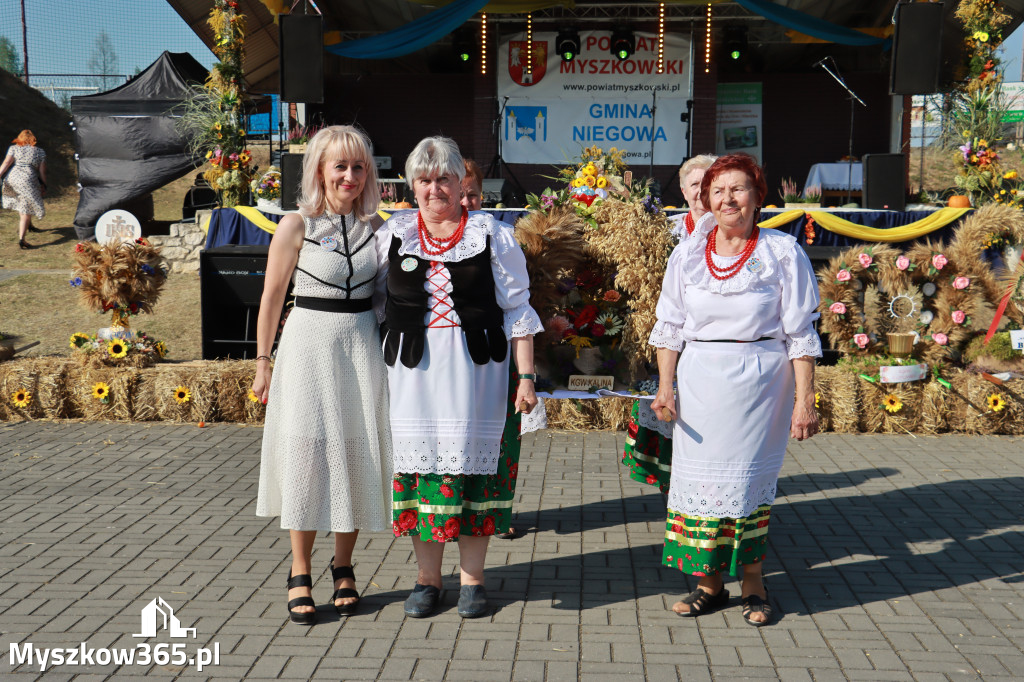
<point x="25" y="137"/>
<point x="473" y="171"/>
<point x="734" y="162"/>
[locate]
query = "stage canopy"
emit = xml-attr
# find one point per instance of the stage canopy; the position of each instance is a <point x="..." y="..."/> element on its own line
<point x="126" y="139"/>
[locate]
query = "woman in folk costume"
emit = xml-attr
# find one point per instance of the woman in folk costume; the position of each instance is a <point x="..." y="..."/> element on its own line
<point x="743" y="301"/>
<point x="457" y="317"/>
<point x="326" y="462"/>
<point x="648" y="450"/>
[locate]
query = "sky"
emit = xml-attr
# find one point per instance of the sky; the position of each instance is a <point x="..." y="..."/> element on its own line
<point x="62" y="33"/>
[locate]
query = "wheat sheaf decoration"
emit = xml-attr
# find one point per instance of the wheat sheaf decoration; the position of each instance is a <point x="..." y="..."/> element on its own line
<point x="123" y="278"/>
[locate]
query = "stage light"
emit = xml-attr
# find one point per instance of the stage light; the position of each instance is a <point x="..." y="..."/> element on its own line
<point x="483" y="43"/>
<point x="623" y="43"/>
<point x="463" y="45"/>
<point x="661" y="38"/>
<point x="567" y="44"/>
<point x="736" y="42"/>
<point x="707" y="43"/>
<point x="529" y="45"/>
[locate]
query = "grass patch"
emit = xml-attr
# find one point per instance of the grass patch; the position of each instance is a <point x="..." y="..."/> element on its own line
<point x="43" y="307"/>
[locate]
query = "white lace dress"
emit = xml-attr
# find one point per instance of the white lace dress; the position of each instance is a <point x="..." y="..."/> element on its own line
<point x="327" y="457"/>
<point x="735" y="400"/>
<point x="448" y="413"/>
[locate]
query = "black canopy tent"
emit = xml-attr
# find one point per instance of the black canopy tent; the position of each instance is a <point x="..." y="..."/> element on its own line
<point x="126" y="140"/>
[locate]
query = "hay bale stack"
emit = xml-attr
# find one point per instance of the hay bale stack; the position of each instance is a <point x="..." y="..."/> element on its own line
<point x="823" y="378"/>
<point x="877" y="419"/>
<point x="82" y="402"/>
<point x="44" y="381"/>
<point x="1013" y="421"/>
<point x="846" y="402"/>
<point x="970" y="411"/>
<point x="199" y="378"/>
<point x="234" y="382"/>
<point x="935" y="406"/>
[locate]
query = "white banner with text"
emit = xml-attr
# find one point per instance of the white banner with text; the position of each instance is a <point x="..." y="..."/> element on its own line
<point x="555" y="108"/>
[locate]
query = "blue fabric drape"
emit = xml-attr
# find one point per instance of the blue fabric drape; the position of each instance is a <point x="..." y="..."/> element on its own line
<point x="413" y="36"/>
<point x="812" y="26"/>
<point x="228" y="226"/>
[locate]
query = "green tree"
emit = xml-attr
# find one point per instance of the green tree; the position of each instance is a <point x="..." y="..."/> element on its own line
<point x="10" y="58"/>
<point x="103" y="61"/>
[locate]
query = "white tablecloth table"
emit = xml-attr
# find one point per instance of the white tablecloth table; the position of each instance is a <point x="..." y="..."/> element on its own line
<point x="836" y="176"/>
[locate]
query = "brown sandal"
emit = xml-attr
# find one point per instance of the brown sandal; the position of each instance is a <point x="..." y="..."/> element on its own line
<point x="702" y="602"/>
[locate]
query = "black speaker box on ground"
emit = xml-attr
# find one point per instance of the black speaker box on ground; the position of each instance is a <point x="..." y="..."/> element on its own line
<point x="884" y="182"/>
<point x="916" y="49"/>
<point x="291" y="180"/>
<point x="301" y="57"/>
<point x="230" y="288"/>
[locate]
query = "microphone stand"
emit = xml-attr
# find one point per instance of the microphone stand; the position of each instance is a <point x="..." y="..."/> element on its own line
<point x="853" y="100"/>
<point x="498" y="164"/>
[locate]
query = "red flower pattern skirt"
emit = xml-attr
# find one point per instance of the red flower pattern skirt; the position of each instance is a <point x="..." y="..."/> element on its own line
<point x="705" y="546"/>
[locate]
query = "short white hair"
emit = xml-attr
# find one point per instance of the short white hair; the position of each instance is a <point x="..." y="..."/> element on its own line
<point x="701" y="161"/>
<point x="433" y="157"/>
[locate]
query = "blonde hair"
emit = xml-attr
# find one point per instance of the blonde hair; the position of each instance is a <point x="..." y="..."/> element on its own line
<point x="435" y="156"/>
<point x="347" y="142"/>
<point x="702" y="161"/>
<point x="25" y="137"/>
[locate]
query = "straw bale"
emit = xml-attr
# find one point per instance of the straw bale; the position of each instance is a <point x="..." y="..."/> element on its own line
<point x="43" y="378"/>
<point x="971" y="412"/>
<point x="234" y="382"/>
<point x="1013" y="419"/>
<point x="200" y="378"/>
<point x="935" y="405"/>
<point x="846" y="402"/>
<point x="123" y="385"/>
<point x="877" y="419"/>
<point x="572" y="414"/>
<point x="614" y="413"/>
<point x="823" y="378"/>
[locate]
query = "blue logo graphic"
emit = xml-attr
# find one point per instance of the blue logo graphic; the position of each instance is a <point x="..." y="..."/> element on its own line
<point x="531" y="122"/>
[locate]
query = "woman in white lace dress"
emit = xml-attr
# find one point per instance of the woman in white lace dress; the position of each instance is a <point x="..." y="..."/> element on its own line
<point x="457" y="293"/>
<point x="327" y="460"/>
<point x="743" y="300"/>
<point x="23" y="187"/>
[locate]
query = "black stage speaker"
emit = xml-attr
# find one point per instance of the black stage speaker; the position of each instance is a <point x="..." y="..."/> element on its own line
<point x="301" y="57"/>
<point x="884" y="178"/>
<point x="291" y="180"/>
<point x="916" y="49"/>
<point x="230" y="288"/>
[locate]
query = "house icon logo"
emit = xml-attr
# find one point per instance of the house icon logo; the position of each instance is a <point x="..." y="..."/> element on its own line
<point x="158" y="611"/>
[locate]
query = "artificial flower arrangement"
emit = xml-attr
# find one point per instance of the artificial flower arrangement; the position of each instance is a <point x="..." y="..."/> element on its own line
<point x="267" y="187"/>
<point x="124" y="279"/>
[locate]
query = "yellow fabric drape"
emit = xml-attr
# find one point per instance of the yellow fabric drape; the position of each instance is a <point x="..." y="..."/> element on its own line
<point x="250" y="213"/>
<point x="833" y="223"/>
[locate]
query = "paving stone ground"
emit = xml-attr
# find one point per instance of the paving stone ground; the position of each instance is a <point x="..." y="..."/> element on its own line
<point x="892" y="558"/>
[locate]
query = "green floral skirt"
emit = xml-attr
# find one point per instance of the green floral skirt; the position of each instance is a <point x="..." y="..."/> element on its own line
<point x="441" y="507"/>
<point x="702" y="545"/>
<point x="648" y="454"/>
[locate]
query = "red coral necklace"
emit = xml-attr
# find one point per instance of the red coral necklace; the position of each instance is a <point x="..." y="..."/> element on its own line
<point x="688" y="223"/>
<point x="435" y="246"/>
<point x="729" y="270"/>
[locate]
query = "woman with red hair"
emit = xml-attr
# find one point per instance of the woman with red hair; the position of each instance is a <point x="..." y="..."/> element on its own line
<point x="743" y="301"/>
<point x="23" y="187"/>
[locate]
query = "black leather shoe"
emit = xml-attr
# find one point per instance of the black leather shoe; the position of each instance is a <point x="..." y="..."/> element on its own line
<point x="473" y="601"/>
<point x="422" y="601"/>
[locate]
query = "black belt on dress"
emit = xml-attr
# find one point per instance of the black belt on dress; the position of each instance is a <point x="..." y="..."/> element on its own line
<point x="334" y="305"/>
<point x="763" y="338"/>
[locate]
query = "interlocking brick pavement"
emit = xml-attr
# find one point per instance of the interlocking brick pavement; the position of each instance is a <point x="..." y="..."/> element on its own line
<point x="892" y="558"/>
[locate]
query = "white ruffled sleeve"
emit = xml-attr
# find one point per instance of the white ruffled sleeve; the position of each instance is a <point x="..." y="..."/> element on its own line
<point x="799" y="304"/>
<point x="668" y="330"/>
<point x="512" y="285"/>
<point x="382" y="238"/>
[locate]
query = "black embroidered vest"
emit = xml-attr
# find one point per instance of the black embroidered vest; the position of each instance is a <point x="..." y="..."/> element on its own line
<point x="472" y="298"/>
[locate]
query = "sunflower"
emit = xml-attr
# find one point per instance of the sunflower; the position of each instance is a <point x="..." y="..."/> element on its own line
<point x="602" y="182"/>
<point x="161" y="349"/>
<point x="78" y="339"/>
<point x="101" y="391"/>
<point x="589" y="180"/>
<point x="182" y="394"/>
<point x="893" y="403"/>
<point x="817" y="400"/>
<point x="253" y="397"/>
<point x="21" y="398"/>
<point x="996" y="402"/>
<point x="117" y="348"/>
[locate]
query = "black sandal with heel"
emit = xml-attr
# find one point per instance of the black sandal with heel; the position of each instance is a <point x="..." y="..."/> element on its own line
<point x="702" y="602"/>
<point x="754" y="604"/>
<point x="304" y="580"/>
<point x="337" y="573"/>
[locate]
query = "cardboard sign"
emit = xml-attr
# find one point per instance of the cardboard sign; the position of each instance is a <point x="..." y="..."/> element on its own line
<point x="1017" y="339"/>
<point x="586" y="382"/>
<point x="895" y="374"/>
